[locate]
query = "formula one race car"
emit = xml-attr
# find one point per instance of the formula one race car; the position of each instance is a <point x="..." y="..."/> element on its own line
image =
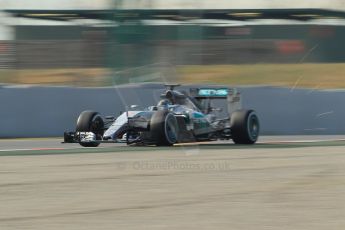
<point x="179" y="117"/>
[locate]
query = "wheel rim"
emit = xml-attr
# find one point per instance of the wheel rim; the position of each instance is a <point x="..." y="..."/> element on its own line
<point x="170" y="129"/>
<point x="253" y="126"/>
<point x="97" y="126"/>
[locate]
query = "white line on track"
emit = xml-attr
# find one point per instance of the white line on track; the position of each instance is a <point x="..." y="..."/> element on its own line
<point x="276" y="140"/>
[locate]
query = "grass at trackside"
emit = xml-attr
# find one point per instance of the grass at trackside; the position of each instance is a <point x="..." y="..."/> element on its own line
<point x="323" y="76"/>
<point x="72" y="77"/>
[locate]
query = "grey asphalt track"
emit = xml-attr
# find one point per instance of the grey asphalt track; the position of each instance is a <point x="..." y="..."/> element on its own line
<point x="282" y="183"/>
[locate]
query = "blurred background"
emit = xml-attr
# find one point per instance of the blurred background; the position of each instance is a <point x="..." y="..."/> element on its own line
<point x="285" y="57"/>
<point x="251" y="42"/>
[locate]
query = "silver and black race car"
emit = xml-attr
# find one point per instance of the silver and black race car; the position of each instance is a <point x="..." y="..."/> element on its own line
<point x="179" y="117"/>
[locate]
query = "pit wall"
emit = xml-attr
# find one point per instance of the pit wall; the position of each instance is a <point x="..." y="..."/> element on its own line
<point x="49" y="111"/>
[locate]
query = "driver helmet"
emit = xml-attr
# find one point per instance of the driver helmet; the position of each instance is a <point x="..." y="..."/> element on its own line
<point x="164" y="102"/>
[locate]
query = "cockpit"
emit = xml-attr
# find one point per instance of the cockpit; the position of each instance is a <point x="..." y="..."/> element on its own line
<point x="174" y="99"/>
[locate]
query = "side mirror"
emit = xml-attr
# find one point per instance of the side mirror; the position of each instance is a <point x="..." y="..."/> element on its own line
<point x="153" y="108"/>
<point x="217" y="110"/>
<point x="133" y="106"/>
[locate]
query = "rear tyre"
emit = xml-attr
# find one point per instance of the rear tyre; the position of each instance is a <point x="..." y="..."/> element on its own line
<point x="245" y="127"/>
<point x="164" y="128"/>
<point x="89" y="121"/>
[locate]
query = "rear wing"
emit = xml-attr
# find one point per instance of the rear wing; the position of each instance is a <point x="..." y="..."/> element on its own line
<point x="233" y="97"/>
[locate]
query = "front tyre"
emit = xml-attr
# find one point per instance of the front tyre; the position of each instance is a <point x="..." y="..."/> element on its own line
<point x="90" y="121"/>
<point x="245" y="127"/>
<point x="164" y="128"/>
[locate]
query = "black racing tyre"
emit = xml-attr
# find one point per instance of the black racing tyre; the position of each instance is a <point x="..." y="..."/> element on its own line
<point x="164" y="128"/>
<point x="245" y="127"/>
<point x="89" y="121"/>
